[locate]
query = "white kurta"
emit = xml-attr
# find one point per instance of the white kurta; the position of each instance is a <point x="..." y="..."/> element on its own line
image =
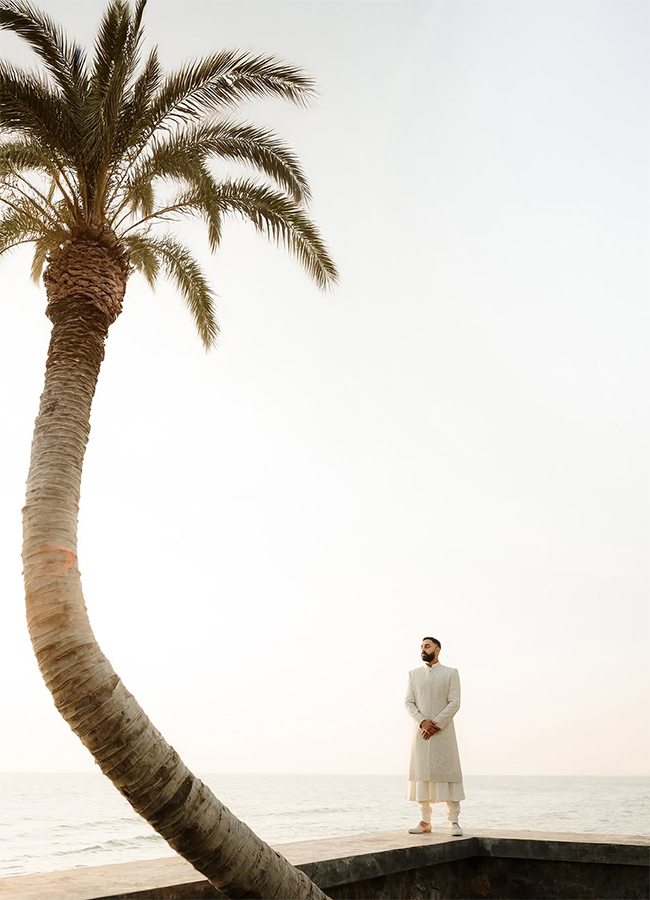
<point x="433" y="692"/>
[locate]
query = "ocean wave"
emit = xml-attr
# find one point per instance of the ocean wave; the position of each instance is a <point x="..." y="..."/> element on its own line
<point x="96" y="823"/>
<point x="8" y="871"/>
<point x="66" y="830"/>
<point x="114" y="844"/>
<point x="312" y="811"/>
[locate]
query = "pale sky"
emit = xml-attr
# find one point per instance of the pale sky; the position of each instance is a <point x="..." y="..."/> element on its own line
<point x="454" y="442"/>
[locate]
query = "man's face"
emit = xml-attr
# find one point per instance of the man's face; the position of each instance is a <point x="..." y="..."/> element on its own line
<point x="429" y="651"/>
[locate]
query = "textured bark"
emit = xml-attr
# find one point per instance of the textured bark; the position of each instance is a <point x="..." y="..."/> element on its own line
<point x="85" y="285"/>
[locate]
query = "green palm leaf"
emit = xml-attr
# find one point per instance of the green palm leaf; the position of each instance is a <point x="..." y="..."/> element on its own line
<point x="283" y="221"/>
<point x="29" y="107"/>
<point x="144" y="257"/>
<point x="244" y="143"/>
<point x="63" y="61"/>
<point x="18" y="225"/>
<point x="182" y="268"/>
<point x="128" y="138"/>
<point x="44" y="245"/>
<point x="224" y="80"/>
<point x="23" y="155"/>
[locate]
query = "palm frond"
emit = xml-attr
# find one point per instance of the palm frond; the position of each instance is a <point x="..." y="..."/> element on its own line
<point x="143" y="257"/>
<point x="283" y="221"/>
<point x="117" y="52"/>
<point x="201" y="197"/>
<point x="40" y="258"/>
<point x="111" y="97"/>
<point x="29" y="107"/>
<point x="112" y="28"/>
<point x="134" y="41"/>
<point x="65" y="217"/>
<point x="18" y="226"/>
<point x="223" y="80"/>
<point x="274" y="214"/>
<point x="123" y="65"/>
<point x="184" y="271"/>
<point x="44" y="245"/>
<point x="184" y="204"/>
<point x="129" y="132"/>
<point x="19" y="192"/>
<point x="142" y="199"/>
<point x="19" y="160"/>
<point x="167" y="161"/>
<point x="260" y="148"/>
<point x="106" y="82"/>
<point x="64" y="62"/>
<point x="23" y="156"/>
<point x="241" y="142"/>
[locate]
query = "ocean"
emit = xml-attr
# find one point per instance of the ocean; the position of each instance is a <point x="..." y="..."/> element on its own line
<point x="50" y="822"/>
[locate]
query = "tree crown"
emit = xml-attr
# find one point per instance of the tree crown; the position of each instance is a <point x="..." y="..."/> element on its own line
<point x="108" y="149"/>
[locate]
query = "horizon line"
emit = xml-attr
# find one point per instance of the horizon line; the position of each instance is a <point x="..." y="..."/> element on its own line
<point x="341" y="774"/>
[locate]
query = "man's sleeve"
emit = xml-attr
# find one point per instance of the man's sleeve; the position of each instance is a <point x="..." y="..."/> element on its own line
<point x="453" y="702"/>
<point x="410" y="704"/>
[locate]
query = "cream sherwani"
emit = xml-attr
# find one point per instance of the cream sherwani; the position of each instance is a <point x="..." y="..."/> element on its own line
<point x="433" y="692"/>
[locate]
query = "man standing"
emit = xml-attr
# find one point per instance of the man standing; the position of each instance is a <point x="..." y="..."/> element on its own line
<point x="432" y="700"/>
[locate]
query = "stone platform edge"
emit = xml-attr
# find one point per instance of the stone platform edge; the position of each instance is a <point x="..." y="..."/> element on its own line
<point x="334" y="861"/>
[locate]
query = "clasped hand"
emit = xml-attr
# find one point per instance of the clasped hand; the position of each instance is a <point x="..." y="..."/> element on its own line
<point x="428" y="728"/>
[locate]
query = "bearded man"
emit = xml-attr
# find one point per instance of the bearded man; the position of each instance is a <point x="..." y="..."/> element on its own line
<point x="432" y="700"/>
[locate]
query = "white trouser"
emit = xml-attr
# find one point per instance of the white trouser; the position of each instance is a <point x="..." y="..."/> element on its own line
<point x="453" y="810"/>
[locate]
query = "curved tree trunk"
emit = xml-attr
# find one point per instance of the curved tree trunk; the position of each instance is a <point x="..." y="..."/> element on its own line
<point x="85" y="284"/>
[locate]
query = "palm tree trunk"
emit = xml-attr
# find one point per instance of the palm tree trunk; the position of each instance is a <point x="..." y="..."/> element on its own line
<point x="85" y="284"/>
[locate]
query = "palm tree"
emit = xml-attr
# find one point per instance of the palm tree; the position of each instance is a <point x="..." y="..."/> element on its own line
<point x="94" y="156"/>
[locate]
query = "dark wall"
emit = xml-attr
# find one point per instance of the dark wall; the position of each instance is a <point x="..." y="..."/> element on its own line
<point x="486" y="878"/>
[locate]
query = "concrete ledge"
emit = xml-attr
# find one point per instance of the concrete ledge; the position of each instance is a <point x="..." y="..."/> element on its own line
<point x="583" y="848"/>
<point x="336" y="862"/>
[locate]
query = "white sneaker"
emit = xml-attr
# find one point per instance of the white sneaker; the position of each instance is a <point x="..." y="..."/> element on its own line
<point x="456" y="830"/>
<point x="420" y="830"/>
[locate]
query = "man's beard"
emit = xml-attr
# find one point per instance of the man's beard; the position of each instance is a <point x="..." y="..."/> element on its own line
<point x="427" y="657"/>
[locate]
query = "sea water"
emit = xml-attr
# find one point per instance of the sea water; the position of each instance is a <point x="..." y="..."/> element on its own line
<point x="50" y="822"/>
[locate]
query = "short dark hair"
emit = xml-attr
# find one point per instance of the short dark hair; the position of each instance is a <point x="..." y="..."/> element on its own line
<point x="433" y="641"/>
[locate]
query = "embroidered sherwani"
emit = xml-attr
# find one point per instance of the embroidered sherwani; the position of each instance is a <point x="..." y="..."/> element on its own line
<point x="433" y="692"/>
